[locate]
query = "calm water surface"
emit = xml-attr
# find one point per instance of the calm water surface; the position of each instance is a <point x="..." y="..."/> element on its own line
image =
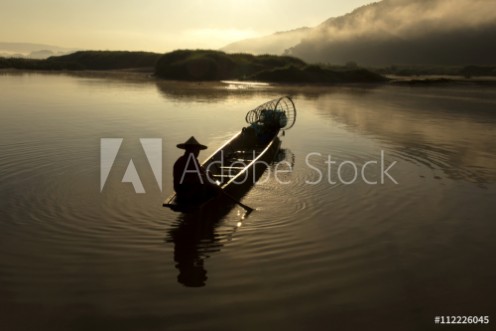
<point x="324" y="256"/>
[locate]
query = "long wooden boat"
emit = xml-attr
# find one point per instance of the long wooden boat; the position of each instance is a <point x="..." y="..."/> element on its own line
<point x="235" y="166"/>
<point x="241" y="161"/>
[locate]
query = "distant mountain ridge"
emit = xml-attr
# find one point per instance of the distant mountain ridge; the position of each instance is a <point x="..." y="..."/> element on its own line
<point x="275" y="43"/>
<point x="32" y="50"/>
<point x="404" y="32"/>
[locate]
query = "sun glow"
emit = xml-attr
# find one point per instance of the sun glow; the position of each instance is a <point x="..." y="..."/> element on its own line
<point x="218" y="37"/>
<point x="157" y="25"/>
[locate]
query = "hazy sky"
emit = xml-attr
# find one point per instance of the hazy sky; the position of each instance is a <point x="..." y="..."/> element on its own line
<point x="158" y="25"/>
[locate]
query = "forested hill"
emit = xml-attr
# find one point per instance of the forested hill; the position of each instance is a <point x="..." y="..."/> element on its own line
<point x="215" y="65"/>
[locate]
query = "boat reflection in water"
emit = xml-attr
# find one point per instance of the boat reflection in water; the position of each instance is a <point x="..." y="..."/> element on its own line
<point x="199" y="234"/>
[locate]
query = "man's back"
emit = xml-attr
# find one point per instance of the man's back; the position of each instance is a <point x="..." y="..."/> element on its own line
<point x="187" y="171"/>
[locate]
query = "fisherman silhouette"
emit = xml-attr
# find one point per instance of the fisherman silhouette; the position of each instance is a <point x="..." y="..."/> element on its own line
<point x="190" y="180"/>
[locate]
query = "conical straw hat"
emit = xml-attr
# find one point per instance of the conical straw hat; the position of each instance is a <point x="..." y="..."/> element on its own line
<point x="191" y="143"/>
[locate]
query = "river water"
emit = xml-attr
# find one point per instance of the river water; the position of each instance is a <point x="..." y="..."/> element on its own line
<point x="398" y="229"/>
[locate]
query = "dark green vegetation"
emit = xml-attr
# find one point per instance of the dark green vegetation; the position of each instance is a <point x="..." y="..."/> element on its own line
<point x="110" y="60"/>
<point x="215" y="65"/>
<point x="33" y="64"/>
<point x="206" y="65"/>
<point x="318" y="74"/>
<point x="86" y="60"/>
<point x="202" y="65"/>
<point x="467" y="71"/>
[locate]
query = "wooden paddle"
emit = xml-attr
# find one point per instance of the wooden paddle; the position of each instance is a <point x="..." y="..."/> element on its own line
<point x="230" y="197"/>
<point x="248" y="209"/>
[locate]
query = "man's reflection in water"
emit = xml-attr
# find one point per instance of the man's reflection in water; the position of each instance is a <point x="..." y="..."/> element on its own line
<point x="194" y="239"/>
